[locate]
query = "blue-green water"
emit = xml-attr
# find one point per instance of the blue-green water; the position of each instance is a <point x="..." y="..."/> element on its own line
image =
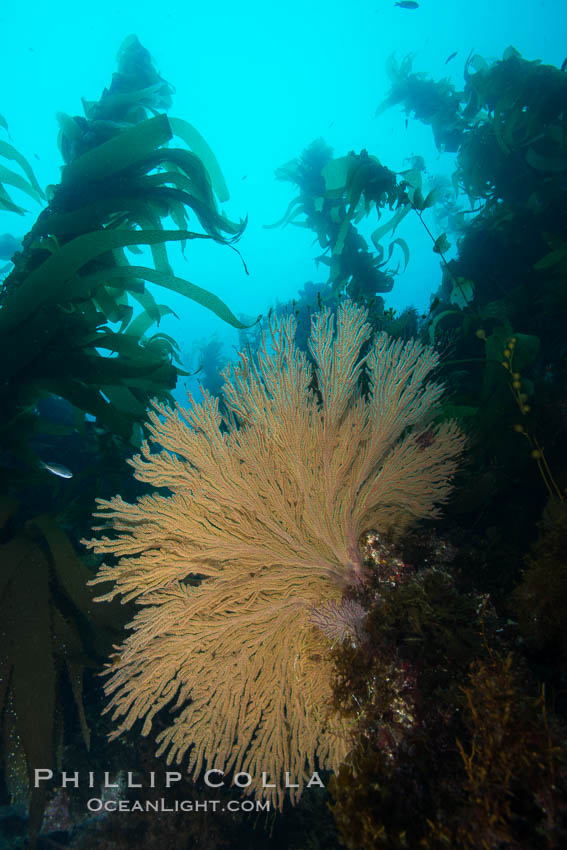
<point x="453" y="595"/>
<point x="261" y="81"/>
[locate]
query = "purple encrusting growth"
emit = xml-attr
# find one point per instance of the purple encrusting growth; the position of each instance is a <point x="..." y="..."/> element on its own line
<point x="340" y="620"/>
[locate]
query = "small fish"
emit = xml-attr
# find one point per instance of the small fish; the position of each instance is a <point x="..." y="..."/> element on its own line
<point x="244" y="176"/>
<point x="564" y="65"/>
<point x="407" y="4"/>
<point x="452" y="56"/>
<point x="57" y="469"/>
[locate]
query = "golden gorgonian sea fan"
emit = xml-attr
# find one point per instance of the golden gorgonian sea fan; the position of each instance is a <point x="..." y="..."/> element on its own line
<point x="266" y="510"/>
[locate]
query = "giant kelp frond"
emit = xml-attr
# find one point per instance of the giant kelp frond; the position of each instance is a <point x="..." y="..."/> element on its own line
<point x="509" y="117"/>
<point x="57" y="279"/>
<point x="144" y="168"/>
<point x="502" y="300"/>
<point x="434" y="102"/>
<point x="516" y="148"/>
<point x="49" y="632"/>
<point x="334" y="195"/>
<point x="26" y="181"/>
<point x="123" y="186"/>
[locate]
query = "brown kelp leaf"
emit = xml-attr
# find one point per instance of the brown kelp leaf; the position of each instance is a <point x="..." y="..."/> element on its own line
<point x="50" y="281"/>
<point x="149" y="305"/>
<point x="143" y="321"/>
<point x="335" y="174"/>
<point x="123" y="399"/>
<point x="555" y="164"/>
<point x="68" y="645"/>
<point x="12" y="179"/>
<point x="25" y="614"/>
<point x="112" y="105"/>
<point x="121" y="343"/>
<point x="124" y="150"/>
<point x="437" y="320"/>
<point x="197" y="143"/>
<point x="9" y="206"/>
<point x="432" y="197"/>
<point x="13" y="556"/>
<point x="72" y="575"/>
<point x="553" y="258"/>
<point x="109" y="304"/>
<point x="401" y="243"/>
<point x="9" y="152"/>
<point x="184" y="287"/>
<point x="8" y="507"/>
<point x="442" y="244"/>
<point x="390" y="225"/>
<point x="91" y="401"/>
<point x="294" y="208"/>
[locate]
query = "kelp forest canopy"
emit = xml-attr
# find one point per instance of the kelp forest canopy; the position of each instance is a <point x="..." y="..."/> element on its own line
<point x="498" y="311"/>
<point x="498" y="317"/>
<point x="125" y="184"/>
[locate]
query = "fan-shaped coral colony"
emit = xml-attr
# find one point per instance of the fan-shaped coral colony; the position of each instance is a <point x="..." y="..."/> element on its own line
<point x="296" y="602"/>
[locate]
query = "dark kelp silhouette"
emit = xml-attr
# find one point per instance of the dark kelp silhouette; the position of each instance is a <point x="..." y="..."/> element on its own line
<point x="335" y="194"/>
<point x="72" y="278"/>
<point x="69" y="336"/>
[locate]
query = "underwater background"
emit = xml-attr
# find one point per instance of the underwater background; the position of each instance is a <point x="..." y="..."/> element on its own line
<point x="402" y="165"/>
<point x="261" y="82"/>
